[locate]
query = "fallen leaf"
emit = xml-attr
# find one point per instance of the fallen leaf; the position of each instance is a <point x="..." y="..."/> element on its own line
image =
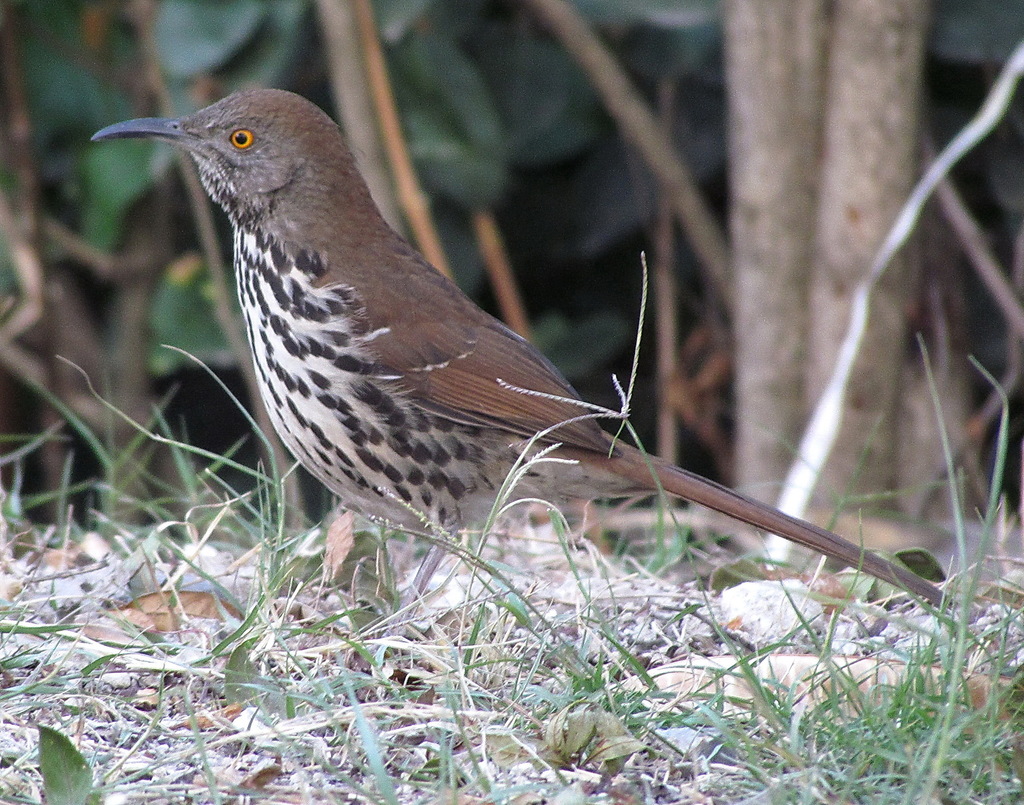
<point x="206" y="721"/>
<point x="197" y="604"/>
<point x="10" y="587"/>
<point x="829" y="586"/>
<point x="147" y="697"/>
<point x="143" y="621"/>
<point x="568" y="732"/>
<point x="67" y="776"/>
<point x="59" y="559"/>
<point x="240" y="676"/>
<point x="262" y="777"/>
<point x="590" y="734"/>
<point x="94" y="545"/>
<point x="162" y="611"/>
<point x="339" y="542"/>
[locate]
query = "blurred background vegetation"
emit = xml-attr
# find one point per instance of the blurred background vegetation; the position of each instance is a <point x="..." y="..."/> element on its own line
<point x="551" y="144"/>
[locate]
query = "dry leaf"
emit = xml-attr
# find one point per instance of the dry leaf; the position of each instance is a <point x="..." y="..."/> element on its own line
<point x="10" y="587"/>
<point x="589" y="734"/>
<point x="262" y="777"/>
<point x="569" y="731"/>
<point x="57" y="560"/>
<point x="203" y="721"/>
<point x="161" y="612"/>
<point x="813" y="677"/>
<point x="295" y="611"/>
<point x="94" y="545"/>
<point x="830" y="586"/>
<point x="412" y="679"/>
<point x="197" y="604"/>
<point x="340" y="539"/>
<point x="142" y="620"/>
<point x="147" y="697"/>
<point x="507" y="750"/>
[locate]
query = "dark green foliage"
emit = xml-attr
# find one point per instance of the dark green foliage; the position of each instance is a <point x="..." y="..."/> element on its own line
<point x="455" y="135"/>
<point x="977" y="31"/>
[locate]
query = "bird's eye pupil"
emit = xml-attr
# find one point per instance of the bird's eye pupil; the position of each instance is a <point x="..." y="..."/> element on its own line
<point x="242" y="138"/>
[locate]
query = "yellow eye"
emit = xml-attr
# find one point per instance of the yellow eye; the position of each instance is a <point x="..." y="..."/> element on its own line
<point x="242" y="139"/>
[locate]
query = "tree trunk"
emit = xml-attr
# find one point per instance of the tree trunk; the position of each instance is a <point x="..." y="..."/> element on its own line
<point x="824" y="132"/>
<point x="775" y="56"/>
<point x="868" y="169"/>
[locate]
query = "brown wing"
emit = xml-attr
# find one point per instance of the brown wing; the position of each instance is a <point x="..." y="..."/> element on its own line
<point x="453" y="355"/>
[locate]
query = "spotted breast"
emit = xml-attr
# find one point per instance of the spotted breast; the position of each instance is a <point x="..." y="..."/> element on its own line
<point x="339" y="411"/>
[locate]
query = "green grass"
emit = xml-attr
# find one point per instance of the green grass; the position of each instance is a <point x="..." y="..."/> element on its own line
<point x="529" y="678"/>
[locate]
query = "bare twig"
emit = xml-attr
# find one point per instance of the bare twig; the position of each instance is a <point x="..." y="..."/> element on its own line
<point x="29" y="307"/>
<point x="1006" y="294"/>
<point x="104" y="265"/>
<point x="980" y="422"/>
<point x="503" y="281"/>
<point x="20" y="227"/>
<point x="666" y="315"/>
<point x="985" y="264"/>
<point x="640" y="127"/>
<point x="410" y="193"/>
<point x="349" y="86"/>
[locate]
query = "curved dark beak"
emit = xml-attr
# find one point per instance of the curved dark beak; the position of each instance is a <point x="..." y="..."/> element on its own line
<point x="161" y="128"/>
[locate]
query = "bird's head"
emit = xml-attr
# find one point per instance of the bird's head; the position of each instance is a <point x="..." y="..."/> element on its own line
<point x="252" y="148"/>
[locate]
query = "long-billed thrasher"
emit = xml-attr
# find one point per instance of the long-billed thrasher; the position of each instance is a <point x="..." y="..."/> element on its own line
<point x="386" y="381"/>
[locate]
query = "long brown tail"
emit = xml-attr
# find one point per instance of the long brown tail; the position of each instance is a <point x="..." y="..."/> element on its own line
<point x="676" y="481"/>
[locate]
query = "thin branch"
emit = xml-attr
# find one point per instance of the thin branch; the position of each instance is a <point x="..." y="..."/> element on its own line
<point x="980" y="422"/>
<point x="503" y="281"/>
<point x="349" y="87"/>
<point x="640" y="127"/>
<point x="666" y="311"/>
<point x="413" y="199"/>
<point x="20" y="227"/>
<point x="27" y="310"/>
<point x="985" y="264"/>
<point x="103" y="265"/>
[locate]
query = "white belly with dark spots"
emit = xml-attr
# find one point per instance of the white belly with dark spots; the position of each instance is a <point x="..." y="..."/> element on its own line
<point x="338" y="412"/>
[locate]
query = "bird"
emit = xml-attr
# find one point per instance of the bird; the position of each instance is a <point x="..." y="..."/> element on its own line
<point x="388" y="383"/>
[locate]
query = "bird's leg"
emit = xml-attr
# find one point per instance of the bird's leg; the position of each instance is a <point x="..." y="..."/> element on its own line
<point x="427" y="568"/>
